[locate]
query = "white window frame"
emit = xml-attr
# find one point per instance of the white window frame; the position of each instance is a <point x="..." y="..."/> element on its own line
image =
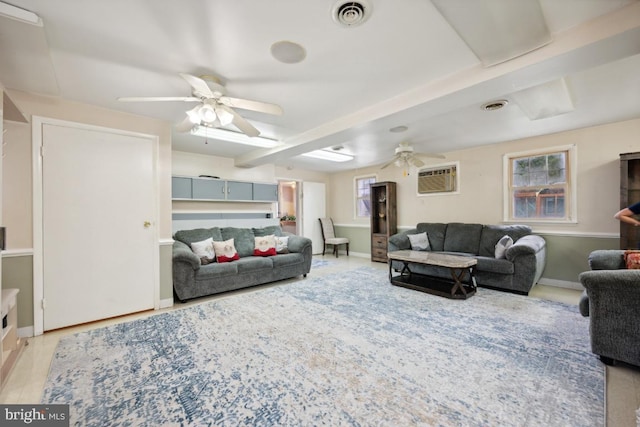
<point x="571" y="199"/>
<point x="355" y="194"/>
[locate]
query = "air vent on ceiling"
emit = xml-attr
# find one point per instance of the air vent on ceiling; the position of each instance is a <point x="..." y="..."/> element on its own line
<point x="351" y="13"/>
<point x="440" y="180"/>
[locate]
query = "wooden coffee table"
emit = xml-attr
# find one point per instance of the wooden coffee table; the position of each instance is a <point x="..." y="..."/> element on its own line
<point x="459" y="266"/>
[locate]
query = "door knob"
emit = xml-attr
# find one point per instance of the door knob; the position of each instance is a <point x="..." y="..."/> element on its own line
<point x="147" y="224"/>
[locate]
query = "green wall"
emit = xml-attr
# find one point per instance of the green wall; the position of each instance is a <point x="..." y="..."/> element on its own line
<point x="359" y="238"/>
<point x="17" y="272"/>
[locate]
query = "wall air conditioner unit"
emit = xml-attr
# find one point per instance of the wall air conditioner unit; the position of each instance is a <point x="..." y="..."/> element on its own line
<point x="441" y="179"/>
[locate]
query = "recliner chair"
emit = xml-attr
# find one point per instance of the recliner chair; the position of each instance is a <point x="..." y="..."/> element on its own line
<point x="611" y="300"/>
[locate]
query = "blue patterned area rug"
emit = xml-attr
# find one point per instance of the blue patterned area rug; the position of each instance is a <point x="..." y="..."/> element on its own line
<point x="344" y="349"/>
<point x="319" y="262"/>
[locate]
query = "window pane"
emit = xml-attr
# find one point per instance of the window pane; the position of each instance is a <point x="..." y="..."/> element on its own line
<point x="363" y="191"/>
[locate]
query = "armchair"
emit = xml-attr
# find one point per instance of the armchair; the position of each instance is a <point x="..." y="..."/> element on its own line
<point x="611" y="300"/>
<point x="329" y="236"/>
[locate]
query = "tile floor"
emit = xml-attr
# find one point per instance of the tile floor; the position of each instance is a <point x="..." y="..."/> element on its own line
<point x="27" y="379"/>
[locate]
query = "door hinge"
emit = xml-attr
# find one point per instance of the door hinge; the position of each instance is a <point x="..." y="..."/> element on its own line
<point x="43" y="303"/>
<point x="42" y="151"/>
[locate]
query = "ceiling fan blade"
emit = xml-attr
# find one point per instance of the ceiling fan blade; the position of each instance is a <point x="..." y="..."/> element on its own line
<point x="247" y="104"/>
<point x="184" y="126"/>
<point x="416" y="162"/>
<point x="200" y="87"/>
<point x="157" y="98"/>
<point x="390" y="163"/>
<point x="240" y="122"/>
<point x="432" y="155"/>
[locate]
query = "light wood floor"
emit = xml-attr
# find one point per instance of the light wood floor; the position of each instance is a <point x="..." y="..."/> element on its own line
<point x="26" y="381"/>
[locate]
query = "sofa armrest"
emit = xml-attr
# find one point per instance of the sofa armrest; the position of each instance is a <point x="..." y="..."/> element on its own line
<point x="607" y="259"/>
<point x="400" y="241"/>
<point x="182" y="252"/>
<point x="526" y="245"/>
<point x="297" y="243"/>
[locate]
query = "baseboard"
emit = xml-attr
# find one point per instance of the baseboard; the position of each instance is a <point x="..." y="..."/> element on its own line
<point x="561" y="284"/>
<point x="166" y="303"/>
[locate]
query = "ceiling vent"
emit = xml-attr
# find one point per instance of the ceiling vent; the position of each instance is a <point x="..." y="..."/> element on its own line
<point x="351" y="13"/>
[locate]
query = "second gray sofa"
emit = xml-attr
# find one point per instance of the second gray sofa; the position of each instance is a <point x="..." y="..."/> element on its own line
<point x="517" y="272"/>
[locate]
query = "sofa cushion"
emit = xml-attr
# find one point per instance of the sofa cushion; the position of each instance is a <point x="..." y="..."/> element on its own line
<point x="493" y="265"/>
<point x="461" y="237"/>
<point x="276" y="230"/>
<point x="419" y="242"/>
<point x="254" y="263"/>
<point x="225" y="251"/>
<point x="282" y="244"/>
<point x="491" y="234"/>
<point x="501" y="247"/>
<point x="197" y="235"/>
<point x="204" y="250"/>
<point x="436" y="232"/>
<point x="243" y="238"/>
<point x="632" y="259"/>
<point x="215" y="270"/>
<point x="265" y="245"/>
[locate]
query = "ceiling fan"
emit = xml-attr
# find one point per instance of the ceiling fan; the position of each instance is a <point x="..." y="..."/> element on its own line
<point x="405" y="156"/>
<point x="215" y="108"/>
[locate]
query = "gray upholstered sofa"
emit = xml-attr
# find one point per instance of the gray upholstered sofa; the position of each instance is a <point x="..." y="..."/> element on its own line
<point x="611" y="300"/>
<point x="520" y="269"/>
<point x="191" y="279"/>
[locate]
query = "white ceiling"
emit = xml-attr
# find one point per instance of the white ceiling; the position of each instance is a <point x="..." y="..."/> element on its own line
<point x="404" y="66"/>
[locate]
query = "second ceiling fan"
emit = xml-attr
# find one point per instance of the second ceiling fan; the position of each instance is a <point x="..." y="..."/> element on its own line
<point x="405" y="156"/>
<point x="215" y="108"/>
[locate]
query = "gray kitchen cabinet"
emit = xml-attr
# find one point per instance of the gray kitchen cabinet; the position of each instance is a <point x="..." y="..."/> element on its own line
<point x="208" y="189"/>
<point x="265" y="192"/>
<point x="180" y="187"/>
<point x="238" y="190"/>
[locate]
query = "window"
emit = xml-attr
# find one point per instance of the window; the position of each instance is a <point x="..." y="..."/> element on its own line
<point x="540" y="186"/>
<point x="363" y="196"/>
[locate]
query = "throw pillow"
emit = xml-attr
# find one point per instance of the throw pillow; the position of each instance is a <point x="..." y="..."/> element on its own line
<point x="265" y="245"/>
<point x="225" y="251"/>
<point x="282" y="244"/>
<point x="204" y="250"/>
<point x="419" y="242"/>
<point x="503" y="244"/>
<point x="632" y="259"/>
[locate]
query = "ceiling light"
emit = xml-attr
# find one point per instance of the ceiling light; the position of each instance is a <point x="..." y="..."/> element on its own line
<point x="18" y="14"/>
<point x="332" y="156"/>
<point x="546" y="100"/>
<point x="497" y="30"/>
<point x="231" y="136"/>
<point x="193" y="115"/>
<point x="224" y="116"/>
<point x="288" y="52"/>
<point x="207" y="114"/>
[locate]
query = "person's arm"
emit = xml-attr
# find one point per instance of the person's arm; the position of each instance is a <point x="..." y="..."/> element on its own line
<point x="626" y="215"/>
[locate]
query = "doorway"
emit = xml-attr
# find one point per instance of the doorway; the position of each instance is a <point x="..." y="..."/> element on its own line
<point x="95" y="216"/>
<point x="288" y="205"/>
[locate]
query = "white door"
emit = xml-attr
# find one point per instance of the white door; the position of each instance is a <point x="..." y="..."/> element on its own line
<point x="313" y="208"/>
<point x="99" y="244"/>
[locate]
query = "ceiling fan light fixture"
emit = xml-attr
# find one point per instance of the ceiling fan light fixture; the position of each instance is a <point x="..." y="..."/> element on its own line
<point x="193" y="115"/>
<point x="207" y="113"/>
<point x="225" y="117"/>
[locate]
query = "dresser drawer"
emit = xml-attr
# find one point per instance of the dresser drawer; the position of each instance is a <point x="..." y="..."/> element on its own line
<point x="379" y="242"/>
<point x="379" y="253"/>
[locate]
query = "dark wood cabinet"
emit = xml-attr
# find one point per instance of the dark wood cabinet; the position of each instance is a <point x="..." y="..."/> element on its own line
<point x="629" y="194"/>
<point x="383" y="218"/>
